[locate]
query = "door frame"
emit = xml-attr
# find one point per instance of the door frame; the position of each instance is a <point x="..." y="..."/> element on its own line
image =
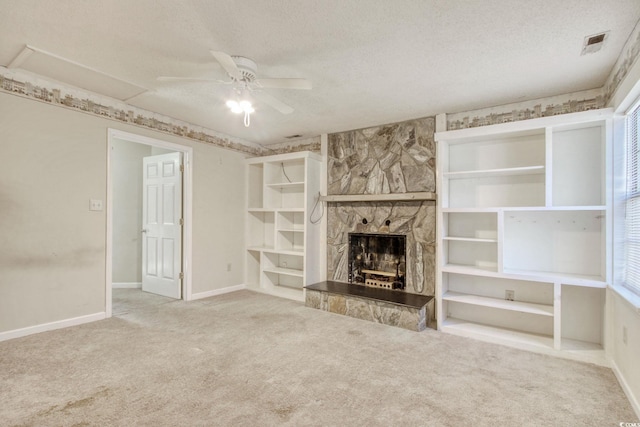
<point x="187" y="209"/>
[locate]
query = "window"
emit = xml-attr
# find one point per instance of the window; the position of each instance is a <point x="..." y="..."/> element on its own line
<point x="632" y="204"/>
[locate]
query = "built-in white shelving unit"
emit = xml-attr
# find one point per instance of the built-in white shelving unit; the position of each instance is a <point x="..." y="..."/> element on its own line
<point x="524" y="233"/>
<point x="283" y="249"/>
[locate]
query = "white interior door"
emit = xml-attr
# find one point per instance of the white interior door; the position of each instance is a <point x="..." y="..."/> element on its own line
<point x="161" y="225"/>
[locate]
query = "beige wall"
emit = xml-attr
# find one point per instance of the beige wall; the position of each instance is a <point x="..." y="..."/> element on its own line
<point x="52" y="251"/>
<point x="625" y="355"/>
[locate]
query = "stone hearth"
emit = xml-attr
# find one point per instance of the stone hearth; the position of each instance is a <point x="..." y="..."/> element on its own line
<point x="401" y="309"/>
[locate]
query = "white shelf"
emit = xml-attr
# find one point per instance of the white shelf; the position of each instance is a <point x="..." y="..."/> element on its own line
<point x="470" y="239"/>
<point x="525" y="209"/>
<point x="523" y="307"/>
<point x="468" y="269"/>
<point x="569" y="349"/>
<point x="288" y="252"/>
<point x="260" y="248"/>
<point x="285" y="271"/>
<point x="553" y="208"/>
<point x="291" y="230"/>
<point x="470" y="210"/>
<point x="524" y="170"/>
<point x="534" y="276"/>
<point x="276" y="210"/>
<point x="580" y="346"/>
<point x="564" y="278"/>
<point x="288" y="286"/>
<point x="497" y="335"/>
<point x="272" y="250"/>
<point x="293" y="185"/>
<point x="289" y="210"/>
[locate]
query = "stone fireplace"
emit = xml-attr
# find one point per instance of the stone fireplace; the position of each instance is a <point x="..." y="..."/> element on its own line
<point x="381" y="181"/>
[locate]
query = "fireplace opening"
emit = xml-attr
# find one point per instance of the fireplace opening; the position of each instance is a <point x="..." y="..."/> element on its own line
<point x="377" y="260"/>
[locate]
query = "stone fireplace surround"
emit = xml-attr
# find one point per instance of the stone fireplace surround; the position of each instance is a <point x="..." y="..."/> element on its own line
<point x="385" y="166"/>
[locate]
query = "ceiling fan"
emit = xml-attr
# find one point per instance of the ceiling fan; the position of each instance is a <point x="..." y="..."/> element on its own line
<point x="242" y="72"/>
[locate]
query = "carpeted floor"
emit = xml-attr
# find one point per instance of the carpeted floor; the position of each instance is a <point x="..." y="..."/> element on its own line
<point x="247" y="359"/>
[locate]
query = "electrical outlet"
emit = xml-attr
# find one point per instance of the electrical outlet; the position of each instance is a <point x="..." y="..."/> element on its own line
<point x="509" y="295"/>
<point x="95" y="205"/>
<point x="624" y="334"/>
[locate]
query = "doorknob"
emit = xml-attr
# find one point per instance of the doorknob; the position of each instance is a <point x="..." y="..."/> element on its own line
<point x="144" y="230"/>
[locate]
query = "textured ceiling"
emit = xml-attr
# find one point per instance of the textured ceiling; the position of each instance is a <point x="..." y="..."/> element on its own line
<point x="370" y="61"/>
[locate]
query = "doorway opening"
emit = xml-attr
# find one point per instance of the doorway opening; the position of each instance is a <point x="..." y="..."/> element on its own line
<point x="147" y="248"/>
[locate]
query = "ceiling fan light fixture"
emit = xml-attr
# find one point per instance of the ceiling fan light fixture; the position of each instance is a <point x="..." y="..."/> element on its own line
<point x="246" y="106"/>
<point x="234" y="106"/>
<point x="242" y="106"/>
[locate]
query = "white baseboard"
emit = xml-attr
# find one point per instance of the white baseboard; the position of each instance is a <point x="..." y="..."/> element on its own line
<point x="127" y="285"/>
<point x="30" y="330"/>
<point x="625" y="387"/>
<point x="215" y="292"/>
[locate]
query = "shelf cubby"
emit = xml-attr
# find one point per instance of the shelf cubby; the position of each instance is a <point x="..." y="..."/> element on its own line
<point x="477" y="226"/>
<point x="471" y="253"/>
<point x="503" y="319"/>
<point x="506" y="151"/>
<point x="279" y="279"/>
<point x="498" y="335"/>
<point x="583" y="316"/>
<point x="284" y="196"/>
<point x="285" y="171"/>
<point x="261" y="229"/>
<point x="290" y="240"/>
<point x="578" y="166"/>
<point x="291" y="220"/>
<point x="255" y="191"/>
<point x="497" y="191"/>
<point x="252" y="268"/>
<point x="567" y="243"/>
<point x="502" y="304"/>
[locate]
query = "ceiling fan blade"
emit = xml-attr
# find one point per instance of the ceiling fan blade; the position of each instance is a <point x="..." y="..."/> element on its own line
<point x="190" y="79"/>
<point x="228" y="64"/>
<point x="273" y="102"/>
<point x="285" y="83"/>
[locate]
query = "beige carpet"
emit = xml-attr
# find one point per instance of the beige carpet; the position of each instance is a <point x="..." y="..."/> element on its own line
<point x="246" y="359"/>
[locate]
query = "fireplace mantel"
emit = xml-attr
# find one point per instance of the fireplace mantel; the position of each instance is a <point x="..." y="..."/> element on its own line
<point x="390" y="197"/>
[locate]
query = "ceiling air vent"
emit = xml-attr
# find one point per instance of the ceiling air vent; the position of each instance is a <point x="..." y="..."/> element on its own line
<point x="594" y="42"/>
<point x="64" y="70"/>
<point x="293" y="136"/>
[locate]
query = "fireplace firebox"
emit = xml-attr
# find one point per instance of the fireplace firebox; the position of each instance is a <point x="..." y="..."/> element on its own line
<point x="377" y="260"/>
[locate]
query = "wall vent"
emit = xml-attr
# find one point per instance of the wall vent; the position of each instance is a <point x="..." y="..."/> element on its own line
<point x="594" y="42"/>
<point x="293" y="136"/>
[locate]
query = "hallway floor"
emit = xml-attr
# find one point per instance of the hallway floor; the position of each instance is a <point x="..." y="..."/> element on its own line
<point x="126" y="300"/>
